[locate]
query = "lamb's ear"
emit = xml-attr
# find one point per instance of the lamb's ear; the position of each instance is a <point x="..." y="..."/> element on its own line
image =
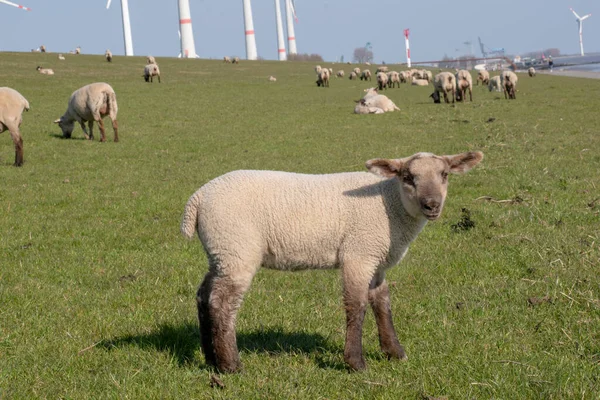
<point x="460" y="163"/>
<point x="385" y="167"/>
<point x="57" y="121"/>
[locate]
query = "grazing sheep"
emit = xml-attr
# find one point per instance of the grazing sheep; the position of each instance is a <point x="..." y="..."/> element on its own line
<point x="12" y="104"/>
<point x="531" y="72"/>
<point x="318" y="69"/>
<point x="61" y="57"/>
<point x="330" y="71"/>
<point x="353" y="76"/>
<point x="444" y="82"/>
<point x="323" y="78"/>
<point x="108" y="55"/>
<point x="419" y="82"/>
<point x="236" y="60"/>
<point x="357" y="71"/>
<point x="416" y="73"/>
<point x="359" y="222"/>
<point x="495" y="84"/>
<point x="464" y="82"/>
<point x="150" y="60"/>
<point x="272" y="79"/>
<point x="382" y="80"/>
<point x="509" y="84"/>
<point x="227" y="60"/>
<point x="150" y="71"/>
<point x="483" y="76"/>
<point x="78" y="50"/>
<point x="405" y="76"/>
<point x="362" y="108"/>
<point x="374" y="99"/>
<point x="43" y="48"/>
<point x="428" y="76"/>
<point x="340" y="73"/>
<point x="45" y="71"/>
<point x="90" y="103"/>
<point x="366" y="74"/>
<point x="393" y="79"/>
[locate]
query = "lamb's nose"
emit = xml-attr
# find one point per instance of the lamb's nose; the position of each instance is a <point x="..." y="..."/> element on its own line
<point x="430" y="205"/>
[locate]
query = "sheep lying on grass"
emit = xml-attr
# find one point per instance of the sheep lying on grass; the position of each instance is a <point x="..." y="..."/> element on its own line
<point x="495" y="84"/>
<point x="12" y="104"/>
<point x="61" y="57"/>
<point x="108" y="55"/>
<point x="45" y="71"/>
<point x="509" y="84"/>
<point x="445" y="83"/>
<point x="374" y="99"/>
<point x="362" y="223"/>
<point x="362" y="108"/>
<point x="419" y="82"/>
<point x="150" y="71"/>
<point x="90" y="103"/>
<point x="272" y="79"/>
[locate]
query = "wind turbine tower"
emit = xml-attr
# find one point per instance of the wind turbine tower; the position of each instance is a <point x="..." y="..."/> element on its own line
<point x="251" y="53"/>
<point x="126" y="26"/>
<point x="580" y="23"/>
<point x="290" y="13"/>
<point x="280" y="41"/>
<point x="188" y="48"/>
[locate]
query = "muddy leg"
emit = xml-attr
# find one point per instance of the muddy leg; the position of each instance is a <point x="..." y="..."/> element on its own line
<point x="91" y="128"/>
<point x="379" y="297"/>
<point x="85" y="132"/>
<point x="15" y="134"/>
<point x="356" y="293"/>
<point x="115" y="126"/>
<point x="202" y="300"/>
<point x="102" y="132"/>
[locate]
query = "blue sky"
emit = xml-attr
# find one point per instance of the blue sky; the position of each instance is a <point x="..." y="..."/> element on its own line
<point x="331" y="28"/>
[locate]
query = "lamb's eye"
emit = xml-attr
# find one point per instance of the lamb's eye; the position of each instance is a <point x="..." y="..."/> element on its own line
<point x="444" y="176"/>
<point x="409" y="179"/>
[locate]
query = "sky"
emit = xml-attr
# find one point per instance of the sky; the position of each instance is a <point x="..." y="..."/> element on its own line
<point x="331" y="28"/>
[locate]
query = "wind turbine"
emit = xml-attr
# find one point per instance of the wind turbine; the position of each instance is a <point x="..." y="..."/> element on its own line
<point x="280" y="41"/>
<point x="290" y="13"/>
<point x="15" y="5"/>
<point x="126" y="26"/>
<point x="188" y="48"/>
<point x="580" y="23"/>
<point x="251" y="53"/>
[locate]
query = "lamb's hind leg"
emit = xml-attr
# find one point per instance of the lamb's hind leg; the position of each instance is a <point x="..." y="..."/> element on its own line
<point x="102" y="131"/>
<point x="202" y="300"/>
<point x="115" y="126"/>
<point x="91" y="128"/>
<point x="379" y="297"/>
<point x="15" y="134"/>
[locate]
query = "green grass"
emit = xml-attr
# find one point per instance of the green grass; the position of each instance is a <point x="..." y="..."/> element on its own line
<point x="97" y="286"/>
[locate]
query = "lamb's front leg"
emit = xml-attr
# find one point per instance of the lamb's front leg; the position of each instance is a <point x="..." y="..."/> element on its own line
<point x="356" y="294"/>
<point x="379" y="297"/>
<point x="85" y="132"/>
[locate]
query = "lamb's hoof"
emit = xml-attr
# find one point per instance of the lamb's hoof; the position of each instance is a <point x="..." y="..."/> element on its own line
<point x="356" y="364"/>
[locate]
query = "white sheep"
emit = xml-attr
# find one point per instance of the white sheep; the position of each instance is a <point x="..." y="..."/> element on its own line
<point x="12" y="104"/>
<point x="108" y="55"/>
<point x="150" y="71"/>
<point x="227" y="59"/>
<point x="318" y="69"/>
<point x="393" y="79"/>
<point x="366" y="74"/>
<point x="357" y="71"/>
<point x="78" y="50"/>
<point x="272" y="79"/>
<point x="374" y="99"/>
<point x="383" y="68"/>
<point x="362" y="108"/>
<point x="323" y="78"/>
<point x="531" y="72"/>
<point x="90" y="103"/>
<point x="353" y="76"/>
<point x="340" y="73"/>
<point x="495" y="84"/>
<point x="509" y="84"/>
<point x="405" y="76"/>
<point x="445" y="83"/>
<point x="419" y="82"/>
<point x="382" y="80"/>
<point x="150" y="60"/>
<point x="483" y="76"/>
<point x="45" y="71"/>
<point x="464" y="82"/>
<point x="235" y="60"/>
<point x="359" y="222"/>
<point x="427" y="75"/>
<point x="42" y="48"/>
<point x="61" y="57"/>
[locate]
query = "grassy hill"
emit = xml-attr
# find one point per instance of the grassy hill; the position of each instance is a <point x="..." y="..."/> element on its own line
<point x="97" y="286"/>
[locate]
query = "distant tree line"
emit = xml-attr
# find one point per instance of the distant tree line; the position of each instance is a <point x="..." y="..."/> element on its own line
<point x="305" y="57"/>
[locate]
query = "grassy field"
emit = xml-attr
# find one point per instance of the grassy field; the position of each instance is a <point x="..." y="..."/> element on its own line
<point x="97" y="286"/>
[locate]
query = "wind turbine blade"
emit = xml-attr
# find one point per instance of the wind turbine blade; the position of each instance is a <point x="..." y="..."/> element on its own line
<point x="108" y="4"/>
<point x="576" y="16"/>
<point x="586" y="16"/>
<point x="15" y="5"/>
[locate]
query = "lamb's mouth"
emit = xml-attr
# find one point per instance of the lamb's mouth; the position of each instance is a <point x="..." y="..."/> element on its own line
<point x="431" y="216"/>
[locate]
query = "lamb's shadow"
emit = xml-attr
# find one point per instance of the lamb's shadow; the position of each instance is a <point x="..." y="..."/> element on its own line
<point x="181" y="342"/>
<point x="60" y="136"/>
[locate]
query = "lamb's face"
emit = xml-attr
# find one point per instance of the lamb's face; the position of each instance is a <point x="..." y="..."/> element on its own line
<point x="435" y="96"/>
<point x="66" y="127"/>
<point x="424" y="179"/>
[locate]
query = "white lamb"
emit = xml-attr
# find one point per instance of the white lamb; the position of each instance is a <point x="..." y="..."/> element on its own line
<point x="236" y="60"/>
<point x="361" y="223"/>
<point x="353" y="76"/>
<point x="495" y="84"/>
<point x="445" y="83"/>
<point x="531" y="72"/>
<point x="483" y="76"/>
<point x="509" y="84"/>
<point x="419" y="82"/>
<point x="272" y="79"/>
<point x="362" y="108"/>
<point x="90" y="103"/>
<point x="45" y="71"/>
<point x="393" y="79"/>
<point x="374" y="99"/>
<point x="150" y="60"/>
<point x="382" y="80"/>
<point x="227" y="60"/>
<point x="366" y="74"/>
<point x="340" y="73"/>
<point x="12" y="104"/>
<point x="61" y="57"/>
<point x="318" y="69"/>
<point x="357" y="71"/>
<point x="464" y="82"/>
<point x="108" y="55"/>
<point x="150" y="71"/>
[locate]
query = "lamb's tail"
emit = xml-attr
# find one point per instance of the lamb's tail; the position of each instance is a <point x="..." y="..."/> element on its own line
<point x="190" y="215"/>
<point x="112" y="105"/>
<point x="26" y="105"/>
